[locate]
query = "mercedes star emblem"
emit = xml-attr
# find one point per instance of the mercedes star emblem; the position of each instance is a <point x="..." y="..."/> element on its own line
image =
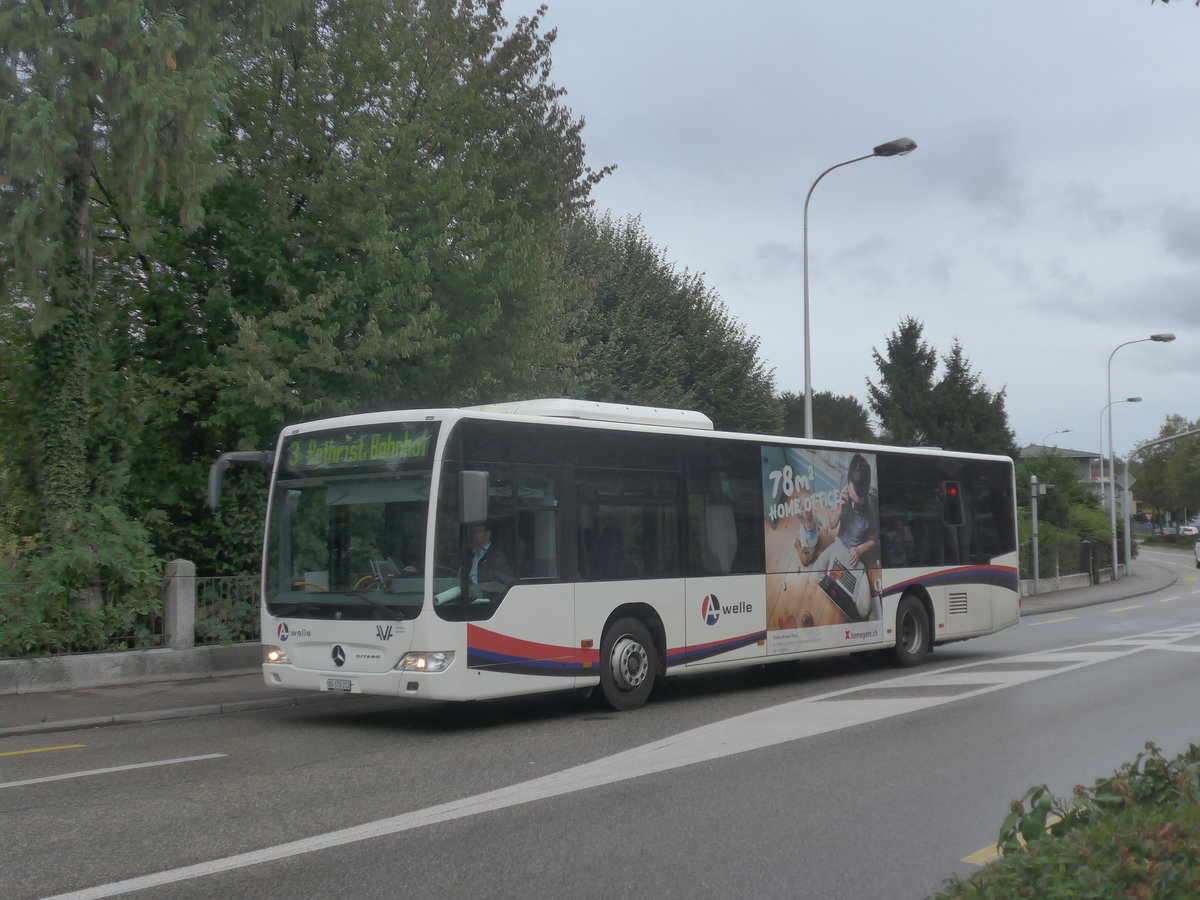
<point x="339" y="655"/>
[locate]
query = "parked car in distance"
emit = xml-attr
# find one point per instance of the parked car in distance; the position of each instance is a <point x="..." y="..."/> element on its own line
<point x="1189" y="529"/>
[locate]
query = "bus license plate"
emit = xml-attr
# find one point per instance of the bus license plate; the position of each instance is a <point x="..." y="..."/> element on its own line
<point x="339" y="684"/>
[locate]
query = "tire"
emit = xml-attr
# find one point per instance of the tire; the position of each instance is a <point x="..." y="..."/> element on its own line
<point x="628" y="664"/>
<point x="913" y="632"/>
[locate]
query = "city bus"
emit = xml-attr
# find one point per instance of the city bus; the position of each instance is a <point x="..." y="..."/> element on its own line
<point x="551" y="545"/>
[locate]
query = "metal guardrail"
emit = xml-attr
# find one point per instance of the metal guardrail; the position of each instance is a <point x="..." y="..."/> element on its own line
<point x="226" y="612"/>
<point x="227" y="609"/>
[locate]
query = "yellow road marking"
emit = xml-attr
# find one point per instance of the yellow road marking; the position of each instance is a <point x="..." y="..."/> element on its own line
<point x="983" y="857"/>
<point x="42" y="749"/>
<point x="1168" y="599"/>
<point x="991" y="854"/>
<point x="1055" y="621"/>
<point x="1127" y="608"/>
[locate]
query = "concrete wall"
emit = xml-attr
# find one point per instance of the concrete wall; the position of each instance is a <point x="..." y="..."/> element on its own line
<point x="87" y="670"/>
<point x="1061" y="583"/>
<point x="178" y="660"/>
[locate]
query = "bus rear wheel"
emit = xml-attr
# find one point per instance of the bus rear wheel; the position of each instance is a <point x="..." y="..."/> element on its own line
<point x="912" y="631"/>
<point x="628" y="664"/>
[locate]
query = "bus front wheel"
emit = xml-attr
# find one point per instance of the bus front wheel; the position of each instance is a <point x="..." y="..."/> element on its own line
<point x="628" y="664"/>
<point x="912" y="631"/>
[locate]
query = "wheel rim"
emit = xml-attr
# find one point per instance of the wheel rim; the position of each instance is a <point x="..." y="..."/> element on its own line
<point x="629" y="663"/>
<point x="910" y="632"/>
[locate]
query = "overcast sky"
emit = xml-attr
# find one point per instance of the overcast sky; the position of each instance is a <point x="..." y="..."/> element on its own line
<point x="1050" y="213"/>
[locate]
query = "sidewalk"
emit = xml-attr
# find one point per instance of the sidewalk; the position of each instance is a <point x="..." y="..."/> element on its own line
<point x="147" y="702"/>
<point x="34" y="713"/>
<point x="1147" y="578"/>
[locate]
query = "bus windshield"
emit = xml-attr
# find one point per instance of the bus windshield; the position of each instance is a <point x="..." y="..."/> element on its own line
<point x="347" y="535"/>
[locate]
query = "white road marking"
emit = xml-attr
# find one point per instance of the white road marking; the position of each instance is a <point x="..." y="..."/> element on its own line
<point x="764" y="728"/>
<point x="146" y="765"/>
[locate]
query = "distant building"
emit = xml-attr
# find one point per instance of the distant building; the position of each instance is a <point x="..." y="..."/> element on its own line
<point x="1091" y="467"/>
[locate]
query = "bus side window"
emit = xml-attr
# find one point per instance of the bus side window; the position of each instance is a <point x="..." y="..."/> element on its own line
<point x="724" y="509"/>
<point x="720" y="538"/>
<point x="537" y="543"/>
<point x="897" y="537"/>
<point x="536" y="540"/>
<point x="628" y="525"/>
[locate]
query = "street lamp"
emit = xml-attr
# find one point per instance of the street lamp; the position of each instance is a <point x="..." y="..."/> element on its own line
<point x="1053" y="433"/>
<point x="1108" y="410"/>
<point x="1112" y="453"/>
<point x="898" y="147"/>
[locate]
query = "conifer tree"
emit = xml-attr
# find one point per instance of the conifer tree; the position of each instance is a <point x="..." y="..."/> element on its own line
<point x="916" y="407"/>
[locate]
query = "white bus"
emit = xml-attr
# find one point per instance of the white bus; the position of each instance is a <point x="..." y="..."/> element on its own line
<point x="545" y="545"/>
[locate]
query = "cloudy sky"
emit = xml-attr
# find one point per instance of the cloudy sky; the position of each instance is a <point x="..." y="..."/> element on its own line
<point x="1050" y="213"/>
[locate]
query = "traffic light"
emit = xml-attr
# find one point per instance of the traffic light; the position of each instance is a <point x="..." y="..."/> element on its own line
<point x="952" y="508"/>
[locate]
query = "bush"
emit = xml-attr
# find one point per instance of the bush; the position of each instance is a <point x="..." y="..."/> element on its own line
<point x="1134" y="835"/>
<point x="53" y="612"/>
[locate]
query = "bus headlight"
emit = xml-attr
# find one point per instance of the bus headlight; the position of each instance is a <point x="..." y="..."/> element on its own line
<point x="274" y="654"/>
<point x="426" y="661"/>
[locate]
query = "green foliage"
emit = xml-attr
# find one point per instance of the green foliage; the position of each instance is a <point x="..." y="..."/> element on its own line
<point x="103" y="109"/>
<point x="1068" y="493"/>
<point x="217" y="218"/>
<point x="382" y="209"/>
<point x="228" y="611"/>
<point x="1135" y="834"/>
<point x="954" y="412"/>
<point x="1059" y="551"/>
<point x="906" y="375"/>
<point x="965" y="414"/>
<point x="1168" y="476"/>
<point x="111" y="565"/>
<point x="105" y="129"/>
<point x="1091" y="523"/>
<point x="1068" y="513"/>
<point x="656" y="336"/>
<point x="836" y="417"/>
<point x="391" y="234"/>
<point x="392" y="241"/>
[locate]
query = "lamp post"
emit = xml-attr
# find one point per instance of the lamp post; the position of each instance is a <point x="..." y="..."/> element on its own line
<point x="1112" y="453"/>
<point x="1108" y="410"/>
<point x="1053" y="433"/>
<point x="1112" y="473"/>
<point x="898" y="147"/>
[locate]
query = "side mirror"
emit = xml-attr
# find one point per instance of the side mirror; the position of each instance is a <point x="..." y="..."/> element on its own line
<point x="216" y="472"/>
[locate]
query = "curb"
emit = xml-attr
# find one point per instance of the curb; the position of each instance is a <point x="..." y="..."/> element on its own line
<point x="1057" y="602"/>
<point x="162" y="715"/>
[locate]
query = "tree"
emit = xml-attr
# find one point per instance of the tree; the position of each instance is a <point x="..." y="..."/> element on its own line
<point x="650" y="334"/>
<point x="105" y="120"/>
<point x="1168" y="476"/>
<point x="391" y="234"/>
<point x="900" y="400"/>
<point x="836" y="417"/>
<point x="966" y="415"/>
<point x="1068" y="493"/>
<point x="955" y="411"/>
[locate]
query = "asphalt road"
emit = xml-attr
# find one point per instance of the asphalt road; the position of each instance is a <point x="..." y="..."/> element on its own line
<point x="847" y="779"/>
